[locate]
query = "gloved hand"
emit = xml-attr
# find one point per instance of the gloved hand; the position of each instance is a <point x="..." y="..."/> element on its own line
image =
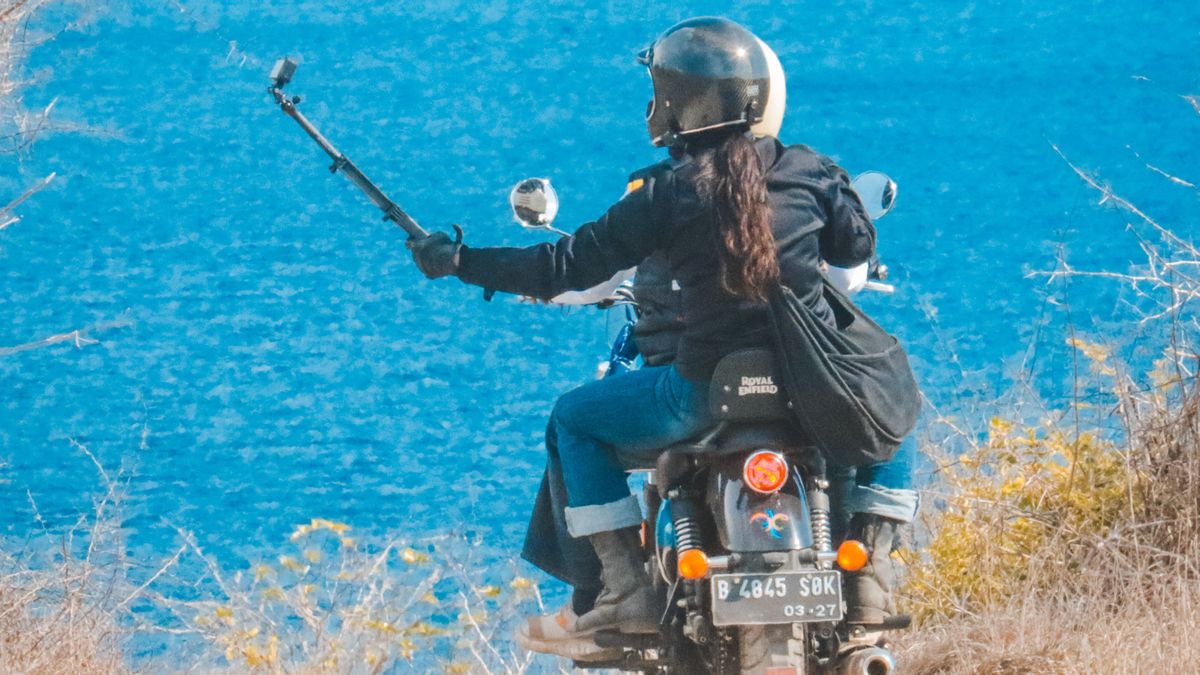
<point x="437" y="255"/>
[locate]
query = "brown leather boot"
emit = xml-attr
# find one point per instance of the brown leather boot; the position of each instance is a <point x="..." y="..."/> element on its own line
<point x="558" y="634"/>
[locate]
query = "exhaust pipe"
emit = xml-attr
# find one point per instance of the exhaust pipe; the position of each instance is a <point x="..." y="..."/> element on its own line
<point x="868" y="661"/>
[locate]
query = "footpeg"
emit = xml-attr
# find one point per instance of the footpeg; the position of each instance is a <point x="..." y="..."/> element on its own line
<point x="630" y="662"/>
<point x="611" y="664"/>
<point x="612" y="638"/>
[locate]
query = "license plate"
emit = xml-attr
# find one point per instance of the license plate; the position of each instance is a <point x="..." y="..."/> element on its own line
<point x="785" y="597"/>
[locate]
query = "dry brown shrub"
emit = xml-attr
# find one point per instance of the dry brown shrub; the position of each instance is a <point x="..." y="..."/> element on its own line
<point x="60" y="604"/>
<point x="1067" y="550"/>
<point x="330" y="603"/>
<point x="1021" y="578"/>
<point x="1087" y="627"/>
<point x="56" y="621"/>
<point x="1171" y="510"/>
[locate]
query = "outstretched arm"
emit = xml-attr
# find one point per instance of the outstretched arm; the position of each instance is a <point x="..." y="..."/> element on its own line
<point x="626" y="234"/>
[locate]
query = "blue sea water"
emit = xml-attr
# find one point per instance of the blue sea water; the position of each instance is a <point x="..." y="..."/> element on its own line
<point x="275" y="355"/>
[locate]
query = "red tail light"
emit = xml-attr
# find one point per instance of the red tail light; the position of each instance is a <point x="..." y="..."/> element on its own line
<point x="766" y="471"/>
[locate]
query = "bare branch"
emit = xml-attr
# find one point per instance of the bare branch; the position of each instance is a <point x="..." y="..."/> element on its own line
<point x="1108" y="194"/>
<point x="79" y="337"/>
<point x="99" y="467"/>
<point x="32" y="190"/>
<point x="1174" y="179"/>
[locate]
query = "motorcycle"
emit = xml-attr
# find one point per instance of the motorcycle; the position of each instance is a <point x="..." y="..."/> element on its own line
<point x="739" y="535"/>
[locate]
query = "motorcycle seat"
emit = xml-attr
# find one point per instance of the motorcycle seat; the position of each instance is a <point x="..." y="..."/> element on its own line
<point x="751" y="412"/>
<point x="677" y="461"/>
<point x="774" y="435"/>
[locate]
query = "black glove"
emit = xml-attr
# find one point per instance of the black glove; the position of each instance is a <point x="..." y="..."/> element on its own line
<point x="437" y="255"/>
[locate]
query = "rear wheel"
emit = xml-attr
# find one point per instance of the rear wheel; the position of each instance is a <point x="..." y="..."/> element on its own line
<point x="763" y="647"/>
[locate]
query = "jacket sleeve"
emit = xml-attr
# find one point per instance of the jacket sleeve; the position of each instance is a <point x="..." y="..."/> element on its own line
<point x="630" y="230"/>
<point x="848" y="238"/>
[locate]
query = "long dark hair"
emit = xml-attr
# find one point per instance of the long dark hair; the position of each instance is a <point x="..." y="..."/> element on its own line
<point x="734" y="184"/>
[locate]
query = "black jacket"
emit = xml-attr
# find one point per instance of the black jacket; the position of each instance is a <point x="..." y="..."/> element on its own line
<point x="814" y="213"/>
<point x="660" y="324"/>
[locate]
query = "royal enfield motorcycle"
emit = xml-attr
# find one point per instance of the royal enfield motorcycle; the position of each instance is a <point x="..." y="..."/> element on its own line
<point x="740" y="539"/>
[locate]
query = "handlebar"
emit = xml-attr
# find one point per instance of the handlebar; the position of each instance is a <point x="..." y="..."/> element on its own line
<point x="877" y="272"/>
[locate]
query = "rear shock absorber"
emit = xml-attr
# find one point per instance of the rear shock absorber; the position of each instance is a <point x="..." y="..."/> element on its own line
<point x="688" y="537"/>
<point x="818" y="504"/>
<point x="687" y="527"/>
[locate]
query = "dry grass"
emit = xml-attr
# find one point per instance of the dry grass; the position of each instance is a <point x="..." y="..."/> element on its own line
<point x="1149" y="627"/>
<point x="1038" y="568"/>
<point x="51" y="624"/>
<point x="59" y="606"/>
<point x="19" y="126"/>
<point x="333" y="604"/>
<point x="1060" y="551"/>
<point x="328" y="603"/>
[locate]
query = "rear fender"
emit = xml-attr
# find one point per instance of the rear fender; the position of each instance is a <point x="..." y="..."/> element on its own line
<point x="748" y="521"/>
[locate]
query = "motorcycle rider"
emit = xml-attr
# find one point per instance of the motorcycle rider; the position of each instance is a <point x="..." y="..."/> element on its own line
<point x="548" y="542"/>
<point x="872" y="501"/>
<point x="732" y="217"/>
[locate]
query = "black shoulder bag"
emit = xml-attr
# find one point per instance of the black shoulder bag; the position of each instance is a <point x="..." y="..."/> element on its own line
<point x="851" y="388"/>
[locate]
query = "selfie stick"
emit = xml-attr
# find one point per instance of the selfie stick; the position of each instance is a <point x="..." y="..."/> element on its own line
<point x="281" y="74"/>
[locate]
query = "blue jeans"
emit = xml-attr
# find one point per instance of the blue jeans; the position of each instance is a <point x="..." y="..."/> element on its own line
<point x="549" y="544"/>
<point x="884" y="489"/>
<point x="621" y="422"/>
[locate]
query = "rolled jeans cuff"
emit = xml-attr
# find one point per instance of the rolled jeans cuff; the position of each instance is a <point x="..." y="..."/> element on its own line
<point x="587" y="520"/>
<point x="895" y="503"/>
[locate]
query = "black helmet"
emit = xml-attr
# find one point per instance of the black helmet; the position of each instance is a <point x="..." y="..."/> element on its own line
<point x="708" y="73"/>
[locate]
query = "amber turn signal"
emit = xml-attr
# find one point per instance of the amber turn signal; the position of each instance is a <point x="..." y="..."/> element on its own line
<point x="852" y="555"/>
<point x="693" y="564"/>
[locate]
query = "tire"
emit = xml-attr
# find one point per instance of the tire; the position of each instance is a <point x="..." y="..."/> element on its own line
<point x="762" y="647"/>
